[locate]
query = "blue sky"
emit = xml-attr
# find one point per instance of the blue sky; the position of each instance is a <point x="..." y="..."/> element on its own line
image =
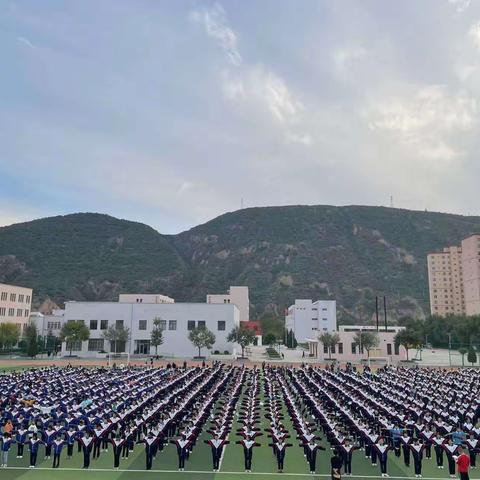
<point x="170" y="112"/>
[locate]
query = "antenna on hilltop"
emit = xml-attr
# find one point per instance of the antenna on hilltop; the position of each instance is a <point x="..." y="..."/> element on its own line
<point x="391" y="201"/>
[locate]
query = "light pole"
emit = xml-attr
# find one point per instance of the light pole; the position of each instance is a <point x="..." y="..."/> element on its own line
<point x="449" y="349"/>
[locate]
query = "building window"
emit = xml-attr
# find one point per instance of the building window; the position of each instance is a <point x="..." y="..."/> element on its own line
<point x="201" y="323"/>
<point x="389" y="348"/>
<point x="221" y="325"/>
<point x="20" y="298"/>
<point x="95" y="344"/>
<point x="142" y="347"/>
<point x="118" y="323"/>
<point x="13" y="297"/>
<point x="162" y="324"/>
<point x="333" y="349"/>
<point x="340" y="348"/>
<point x="11" y="312"/>
<point x="142" y="324"/>
<point x="354" y="348"/>
<point x="93" y="324"/>
<point x="27" y="312"/>
<point x="103" y="324"/>
<point x="28" y="299"/>
<point x="397" y="349"/>
<point x="4" y="295"/>
<point x="172" y="324"/>
<point x="325" y="349"/>
<point x="3" y="310"/>
<point x="190" y="324"/>
<point x="19" y="312"/>
<point x="75" y="346"/>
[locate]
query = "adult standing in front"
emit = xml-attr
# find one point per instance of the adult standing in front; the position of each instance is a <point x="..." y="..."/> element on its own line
<point x="463" y="464"/>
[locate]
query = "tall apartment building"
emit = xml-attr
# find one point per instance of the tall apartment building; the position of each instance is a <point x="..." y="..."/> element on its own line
<point x="454" y="279"/>
<point x="15" y="304"/>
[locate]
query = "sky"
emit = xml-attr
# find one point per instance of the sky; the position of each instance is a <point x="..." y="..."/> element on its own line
<point x="172" y="112"/>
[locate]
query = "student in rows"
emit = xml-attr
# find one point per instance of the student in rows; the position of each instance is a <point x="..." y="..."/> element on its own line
<point x="248" y="446"/>
<point x="280" y="448"/>
<point x="312" y="448"/>
<point x="473" y="445"/>
<point x="87" y="445"/>
<point x="48" y="436"/>
<point x="216" y="445"/>
<point x="438" y="442"/>
<point x="6" y="442"/>
<point x="346" y="451"/>
<point x="417" y="454"/>
<point x="406" y="440"/>
<point x="382" y="449"/>
<point x="451" y="450"/>
<point x="70" y="437"/>
<point x="20" y="438"/>
<point x="182" y="445"/>
<point x="57" y="447"/>
<point x="117" y="445"/>
<point x="33" y="444"/>
<point x="150" y="442"/>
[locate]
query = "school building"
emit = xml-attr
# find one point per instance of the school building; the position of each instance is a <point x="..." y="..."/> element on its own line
<point x="15" y="304"/>
<point x="307" y="319"/>
<point x="349" y="350"/>
<point x="176" y="321"/>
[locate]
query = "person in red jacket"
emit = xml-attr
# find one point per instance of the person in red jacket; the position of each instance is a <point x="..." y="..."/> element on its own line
<point x="463" y="464"/>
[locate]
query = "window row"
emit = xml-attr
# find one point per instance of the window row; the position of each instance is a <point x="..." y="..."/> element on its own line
<point x="143" y="324"/>
<point x="11" y="312"/>
<point x="13" y="297"/>
<point x="355" y="348"/>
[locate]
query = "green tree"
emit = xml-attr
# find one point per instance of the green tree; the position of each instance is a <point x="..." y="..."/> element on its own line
<point x="74" y="331"/>
<point x="271" y="323"/>
<point x="31" y="338"/>
<point x="366" y="340"/>
<point x="269" y="339"/>
<point x="463" y="351"/>
<point x="156" y="337"/>
<point x="201" y="337"/>
<point x="117" y="335"/>
<point x="9" y="335"/>
<point x="472" y="356"/>
<point x="241" y="335"/>
<point x="329" y="340"/>
<point x="408" y="338"/>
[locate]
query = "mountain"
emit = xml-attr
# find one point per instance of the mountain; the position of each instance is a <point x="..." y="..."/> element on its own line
<point x="350" y="254"/>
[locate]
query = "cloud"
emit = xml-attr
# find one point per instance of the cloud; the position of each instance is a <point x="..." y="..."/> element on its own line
<point x="26" y="42"/>
<point x="215" y="24"/>
<point x="345" y="57"/>
<point x="460" y="5"/>
<point x="474" y="34"/>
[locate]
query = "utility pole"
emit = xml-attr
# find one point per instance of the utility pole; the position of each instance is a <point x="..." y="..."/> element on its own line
<point x="449" y="349"/>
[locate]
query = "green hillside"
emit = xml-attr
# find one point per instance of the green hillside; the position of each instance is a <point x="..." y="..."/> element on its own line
<point x="282" y="253"/>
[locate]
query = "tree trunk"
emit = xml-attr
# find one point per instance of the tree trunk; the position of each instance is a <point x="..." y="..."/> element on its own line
<point x="242" y="350"/>
<point x="199" y="351"/>
<point x="156" y="350"/>
<point x="329" y="353"/>
<point x="406" y="348"/>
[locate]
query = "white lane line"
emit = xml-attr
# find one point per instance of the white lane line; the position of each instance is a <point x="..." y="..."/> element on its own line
<point x="209" y="472"/>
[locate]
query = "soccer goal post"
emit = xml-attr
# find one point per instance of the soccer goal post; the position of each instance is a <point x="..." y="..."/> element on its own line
<point x="120" y="360"/>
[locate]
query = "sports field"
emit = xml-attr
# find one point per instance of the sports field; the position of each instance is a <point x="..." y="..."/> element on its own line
<point x="199" y="465"/>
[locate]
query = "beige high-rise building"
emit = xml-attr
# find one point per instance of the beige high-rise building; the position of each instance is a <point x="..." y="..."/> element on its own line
<point x="471" y="274"/>
<point x="15" y="304"/>
<point x="454" y="279"/>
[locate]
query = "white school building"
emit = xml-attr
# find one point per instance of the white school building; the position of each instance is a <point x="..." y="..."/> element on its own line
<point x="307" y="319"/>
<point x="178" y="319"/>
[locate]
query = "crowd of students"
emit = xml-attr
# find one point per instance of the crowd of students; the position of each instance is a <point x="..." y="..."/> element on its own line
<point x="414" y="414"/>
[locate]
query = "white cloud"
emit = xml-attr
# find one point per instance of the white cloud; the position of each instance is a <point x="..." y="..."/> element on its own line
<point x="460" y="5"/>
<point x="474" y="34"/>
<point x="215" y="24"/>
<point x="345" y="57"/>
<point x="26" y="42"/>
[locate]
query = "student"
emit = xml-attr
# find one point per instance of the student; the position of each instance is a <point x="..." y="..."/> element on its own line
<point x="6" y="443"/>
<point x="472" y="445"/>
<point x="382" y="453"/>
<point x="248" y="445"/>
<point x="463" y="462"/>
<point x="438" y="442"/>
<point x="280" y="450"/>
<point x="311" y="448"/>
<point x="451" y="450"/>
<point x="182" y="445"/>
<point x="21" y="438"/>
<point x="117" y="444"/>
<point x="48" y="437"/>
<point x="216" y="445"/>
<point x="150" y="442"/>
<point x="98" y="437"/>
<point x="57" y="446"/>
<point x="70" y="436"/>
<point x="87" y="444"/>
<point x="33" y="444"/>
<point x="417" y="454"/>
<point x="346" y="450"/>
<point x="406" y="440"/>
